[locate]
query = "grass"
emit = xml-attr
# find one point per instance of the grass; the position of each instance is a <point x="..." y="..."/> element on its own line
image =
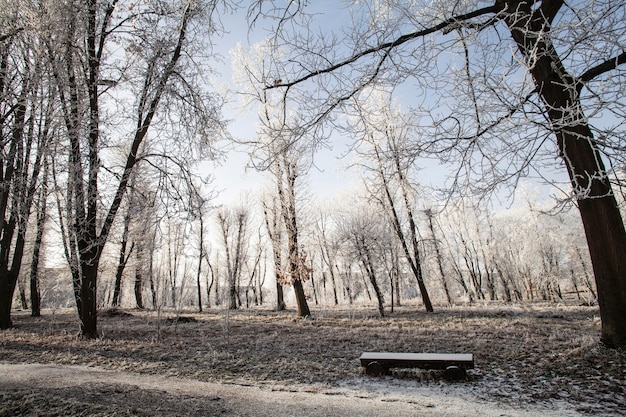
<point x="523" y="353"/>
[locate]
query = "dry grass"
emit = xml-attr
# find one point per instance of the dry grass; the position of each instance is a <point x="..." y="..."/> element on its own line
<point x="523" y="353"/>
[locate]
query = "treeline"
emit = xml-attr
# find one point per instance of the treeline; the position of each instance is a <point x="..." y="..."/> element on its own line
<point x="349" y="254"/>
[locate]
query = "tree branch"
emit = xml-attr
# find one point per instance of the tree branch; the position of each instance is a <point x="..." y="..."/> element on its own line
<point x="606" y="66"/>
<point x="142" y="129"/>
<point x="387" y="46"/>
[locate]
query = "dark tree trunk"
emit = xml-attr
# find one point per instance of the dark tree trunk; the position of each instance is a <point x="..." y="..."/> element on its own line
<point x="35" y="295"/>
<point x="199" y="271"/>
<point x="15" y="186"/>
<point x="88" y="298"/>
<point x="23" y="299"/>
<point x="442" y="275"/>
<point x="8" y="281"/>
<point x="138" y="279"/>
<point x="297" y="277"/>
<point x="371" y="274"/>
<point x="295" y="270"/>
<point x="280" y="296"/>
<point x="117" y="289"/>
<point x="123" y="258"/>
<point x="9" y="275"/>
<point x="602" y="221"/>
<point x="139" y="289"/>
<point x="302" y="305"/>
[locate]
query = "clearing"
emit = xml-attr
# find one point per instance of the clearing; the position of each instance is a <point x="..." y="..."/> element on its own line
<point x="530" y="360"/>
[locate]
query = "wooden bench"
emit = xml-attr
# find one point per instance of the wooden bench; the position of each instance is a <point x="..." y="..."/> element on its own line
<point x="454" y="365"/>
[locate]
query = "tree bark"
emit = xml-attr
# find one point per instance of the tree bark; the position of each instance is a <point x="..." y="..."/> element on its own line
<point x="35" y="295"/>
<point x="88" y="291"/>
<point x="123" y="259"/>
<point x="273" y="230"/>
<point x="599" y="211"/>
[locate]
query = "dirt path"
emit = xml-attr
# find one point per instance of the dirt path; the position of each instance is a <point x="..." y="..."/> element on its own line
<point x="140" y="394"/>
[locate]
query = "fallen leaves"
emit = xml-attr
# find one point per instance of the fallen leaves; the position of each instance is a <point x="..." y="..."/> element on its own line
<point x="523" y="354"/>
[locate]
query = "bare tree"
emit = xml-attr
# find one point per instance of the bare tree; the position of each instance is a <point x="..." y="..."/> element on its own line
<point x="234" y="225"/>
<point x="26" y="115"/>
<point x="124" y="254"/>
<point x="365" y="237"/>
<point x="274" y="231"/>
<point x="439" y="258"/>
<point x="277" y="150"/>
<point x="329" y="246"/>
<point x="532" y="82"/>
<point x="42" y="217"/>
<point x="383" y="131"/>
<point x="159" y="43"/>
<point x="298" y="271"/>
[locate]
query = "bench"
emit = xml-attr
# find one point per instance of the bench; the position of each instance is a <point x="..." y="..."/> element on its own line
<point x="454" y="365"/>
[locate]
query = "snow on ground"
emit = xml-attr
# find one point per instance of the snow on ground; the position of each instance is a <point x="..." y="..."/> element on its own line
<point x="356" y="397"/>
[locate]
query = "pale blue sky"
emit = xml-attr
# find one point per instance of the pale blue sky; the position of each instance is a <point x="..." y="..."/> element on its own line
<point x="329" y="176"/>
<point x="233" y="178"/>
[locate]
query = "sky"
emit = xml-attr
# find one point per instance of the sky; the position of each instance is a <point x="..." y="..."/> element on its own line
<point x="236" y="181"/>
<point x="234" y="178"/>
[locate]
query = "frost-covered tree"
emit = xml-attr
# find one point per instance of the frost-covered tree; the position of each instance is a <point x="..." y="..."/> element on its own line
<point x="504" y="88"/>
<point x="124" y="72"/>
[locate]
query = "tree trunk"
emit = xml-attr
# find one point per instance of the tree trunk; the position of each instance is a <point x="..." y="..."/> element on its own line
<point x="599" y="211"/>
<point x="23" y="299"/>
<point x="9" y="275"/>
<point x="297" y="278"/>
<point x="117" y="289"/>
<point x="199" y="270"/>
<point x="139" y="289"/>
<point x="302" y="305"/>
<point x="123" y="258"/>
<point x="414" y="259"/>
<point x="442" y="275"/>
<point x="209" y="284"/>
<point x="88" y="293"/>
<point x="371" y="274"/>
<point x="280" y="296"/>
<point x="8" y="281"/>
<point x="286" y="174"/>
<point x="35" y="295"/>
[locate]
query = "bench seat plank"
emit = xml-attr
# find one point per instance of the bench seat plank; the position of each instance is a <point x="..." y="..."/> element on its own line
<point x="419" y="360"/>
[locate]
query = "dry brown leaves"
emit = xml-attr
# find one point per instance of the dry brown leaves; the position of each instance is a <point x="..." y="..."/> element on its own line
<point x="523" y="353"/>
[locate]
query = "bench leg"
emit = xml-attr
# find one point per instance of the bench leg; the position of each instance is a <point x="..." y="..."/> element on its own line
<point x="376" y="369"/>
<point x="455" y="373"/>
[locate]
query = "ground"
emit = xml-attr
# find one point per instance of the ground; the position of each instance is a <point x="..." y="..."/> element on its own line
<point x="530" y="360"/>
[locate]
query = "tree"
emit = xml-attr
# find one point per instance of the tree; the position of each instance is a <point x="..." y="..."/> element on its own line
<point x="439" y="258"/>
<point x="234" y="227"/>
<point x="274" y="231"/>
<point x="26" y="114"/>
<point x="42" y="216"/>
<point x="328" y="248"/>
<point x="366" y="237"/>
<point x="497" y="114"/>
<point x="383" y="132"/>
<point x="159" y="41"/>
<point x="277" y="151"/>
<point x="298" y="271"/>
<point x="124" y="255"/>
<point x="201" y="248"/>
